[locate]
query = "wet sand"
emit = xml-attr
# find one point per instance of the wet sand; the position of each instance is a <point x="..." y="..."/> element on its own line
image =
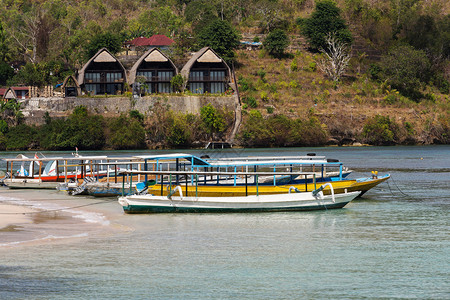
<point x="36" y="216"/>
<point x="14" y="215"/>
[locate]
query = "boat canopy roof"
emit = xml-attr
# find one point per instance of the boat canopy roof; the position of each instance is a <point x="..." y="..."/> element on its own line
<point x="33" y="159"/>
<point x="303" y="157"/>
<point x="222" y="164"/>
<point x="196" y="161"/>
<point x="91" y="157"/>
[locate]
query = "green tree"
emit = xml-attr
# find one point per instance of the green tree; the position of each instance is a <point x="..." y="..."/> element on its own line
<point x="178" y="83"/>
<point x="161" y="20"/>
<point x="406" y="69"/>
<point x="179" y="131"/>
<point x="3" y="126"/>
<point x="21" y="137"/>
<point x="212" y="119"/>
<point x="5" y="54"/>
<point x="325" y="19"/>
<point x="200" y="13"/>
<point x="79" y="130"/>
<point x="11" y="112"/>
<point x="107" y="40"/>
<point x="126" y="133"/>
<point x="6" y="73"/>
<point x="276" y="42"/>
<point x="220" y="36"/>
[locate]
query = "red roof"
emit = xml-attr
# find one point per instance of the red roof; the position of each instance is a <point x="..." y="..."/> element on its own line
<point x="20" y="88"/>
<point x="2" y="92"/>
<point x="155" y="40"/>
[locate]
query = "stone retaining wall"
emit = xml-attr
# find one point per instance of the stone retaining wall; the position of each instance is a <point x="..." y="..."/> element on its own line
<point x="34" y="109"/>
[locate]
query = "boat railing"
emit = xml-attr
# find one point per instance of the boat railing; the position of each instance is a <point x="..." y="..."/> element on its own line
<point x="319" y="194"/>
<point x="195" y="178"/>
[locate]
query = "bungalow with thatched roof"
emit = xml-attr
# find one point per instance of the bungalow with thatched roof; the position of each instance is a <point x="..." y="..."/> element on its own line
<point x="207" y="72"/>
<point x="17" y="92"/>
<point x="102" y="74"/>
<point x="156" y="71"/>
<point x="70" y="87"/>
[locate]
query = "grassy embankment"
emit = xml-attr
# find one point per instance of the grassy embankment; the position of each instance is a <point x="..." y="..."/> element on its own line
<point x="293" y="86"/>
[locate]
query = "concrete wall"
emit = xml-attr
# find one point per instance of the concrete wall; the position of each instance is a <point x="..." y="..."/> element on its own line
<point x="34" y="109"/>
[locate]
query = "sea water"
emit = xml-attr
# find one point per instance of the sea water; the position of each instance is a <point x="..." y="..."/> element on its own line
<point x="392" y="243"/>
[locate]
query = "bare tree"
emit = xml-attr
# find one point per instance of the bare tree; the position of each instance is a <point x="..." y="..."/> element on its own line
<point x="335" y="58"/>
<point x="26" y="31"/>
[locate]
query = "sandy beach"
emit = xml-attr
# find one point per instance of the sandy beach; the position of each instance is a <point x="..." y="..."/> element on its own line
<point x="48" y="215"/>
<point x="14" y="215"/>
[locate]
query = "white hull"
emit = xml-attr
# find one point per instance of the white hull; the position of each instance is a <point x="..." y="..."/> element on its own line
<point x="20" y="183"/>
<point x="278" y="202"/>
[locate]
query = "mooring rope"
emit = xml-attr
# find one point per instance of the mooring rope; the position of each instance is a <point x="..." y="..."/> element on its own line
<point x="401" y="192"/>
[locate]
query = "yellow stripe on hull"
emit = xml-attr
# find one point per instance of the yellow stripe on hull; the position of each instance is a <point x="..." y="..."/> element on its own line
<point x="234" y="191"/>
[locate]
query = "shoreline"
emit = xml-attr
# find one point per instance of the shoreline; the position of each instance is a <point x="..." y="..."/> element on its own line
<point x="42" y="216"/>
<point x="14" y="215"/>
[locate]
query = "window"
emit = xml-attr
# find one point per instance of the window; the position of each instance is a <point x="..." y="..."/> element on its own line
<point x="197" y="87"/>
<point x="92" y="77"/>
<point x="165" y="75"/>
<point x="196" y="76"/>
<point x="92" y="88"/>
<point x="146" y="74"/>
<point x="164" y="87"/>
<point x="111" y="77"/>
<point x="217" y="75"/>
<point x="217" y="87"/>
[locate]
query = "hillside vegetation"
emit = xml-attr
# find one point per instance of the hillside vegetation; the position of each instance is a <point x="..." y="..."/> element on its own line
<point x="394" y="90"/>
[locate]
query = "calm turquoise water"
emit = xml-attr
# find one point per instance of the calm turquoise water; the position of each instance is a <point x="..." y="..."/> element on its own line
<point x="385" y="245"/>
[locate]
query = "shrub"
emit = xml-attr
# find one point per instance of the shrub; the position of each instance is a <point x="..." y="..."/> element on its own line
<point x="178" y="83"/>
<point x="178" y="134"/>
<point x="294" y="65"/>
<point x="279" y="130"/>
<point x="251" y="101"/>
<point x="312" y="67"/>
<point x="262" y="74"/>
<point x="79" y="130"/>
<point x="212" y="119"/>
<point x="380" y="130"/>
<point x="264" y="96"/>
<point x="406" y="70"/>
<point x="245" y="84"/>
<point x="3" y="126"/>
<point x="276" y="42"/>
<point x="126" y="132"/>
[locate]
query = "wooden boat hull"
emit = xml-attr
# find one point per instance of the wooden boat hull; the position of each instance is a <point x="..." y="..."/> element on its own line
<point x="362" y="185"/>
<point x="19" y="183"/>
<point x="262" y="203"/>
<point x="108" y="190"/>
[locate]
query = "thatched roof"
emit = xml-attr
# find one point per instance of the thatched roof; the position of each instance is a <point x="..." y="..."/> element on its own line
<point x="10" y="94"/>
<point x="152" y="55"/>
<point x="103" y="55"/>
<point x="204" y="55"/>
<point x="74" y="80"/>
<point x="67" y="80"/>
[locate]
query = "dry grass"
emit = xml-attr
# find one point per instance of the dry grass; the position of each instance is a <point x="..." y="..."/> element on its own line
<point x="298" y="92"/>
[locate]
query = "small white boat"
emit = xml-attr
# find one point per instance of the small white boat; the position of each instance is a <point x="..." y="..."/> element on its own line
<point x="254" y="203"/>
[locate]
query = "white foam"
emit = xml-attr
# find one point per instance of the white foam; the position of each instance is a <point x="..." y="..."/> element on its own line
<point x="48" y="237"/>
<point x="88" y="217"/>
